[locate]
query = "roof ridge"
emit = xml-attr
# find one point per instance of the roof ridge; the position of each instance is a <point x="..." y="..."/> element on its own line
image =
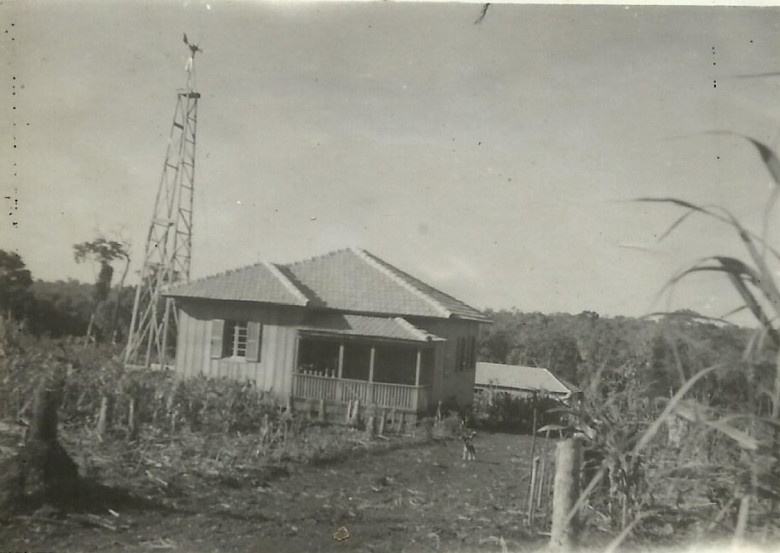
<point x="383" y="267"/>
<point x="217" y="275"/>
<point x="314" y="257"/>
<point x="286" y="282"/>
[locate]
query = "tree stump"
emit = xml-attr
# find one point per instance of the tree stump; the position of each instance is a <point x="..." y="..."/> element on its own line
<point x="42" y="472"/>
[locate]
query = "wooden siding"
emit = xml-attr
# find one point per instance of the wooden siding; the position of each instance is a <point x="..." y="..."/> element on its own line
<point x="277" y="351"/>
<point x="448" y="382"/>
<point x="275" y="370"/>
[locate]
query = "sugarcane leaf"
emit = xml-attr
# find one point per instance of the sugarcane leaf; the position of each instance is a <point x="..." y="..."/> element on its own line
<point x="745" y="440"/>
<point x="713" y="211"/>
<point x="767" y="154"/>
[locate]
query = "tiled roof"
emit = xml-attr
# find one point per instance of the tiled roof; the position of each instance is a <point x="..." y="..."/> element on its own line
<point x="346" y="280"/>
<point x="532" y="379"/>
<point x="262" y="282"/>
<point x="358" y="281"/>
<point x="360" y="325"/>
<point x="454" y="306"/>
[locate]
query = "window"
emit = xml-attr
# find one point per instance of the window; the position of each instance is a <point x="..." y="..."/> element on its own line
<point x="235" y="339"/>
<point x="466" y="354"/>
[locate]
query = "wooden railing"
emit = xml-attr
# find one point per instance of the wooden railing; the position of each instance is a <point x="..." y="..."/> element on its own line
<point x="400" y="396"/>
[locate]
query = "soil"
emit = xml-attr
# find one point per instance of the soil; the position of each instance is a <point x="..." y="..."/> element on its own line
<point x="414" y="498"/>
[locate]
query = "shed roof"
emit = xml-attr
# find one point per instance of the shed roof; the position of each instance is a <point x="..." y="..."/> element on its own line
<point x="534" y="379"/>
<point x="394" y="328"/>
<point x="349" y="280"/>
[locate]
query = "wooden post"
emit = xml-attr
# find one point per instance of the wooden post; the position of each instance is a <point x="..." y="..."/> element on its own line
<point x="417" y="368"/>
<point x="348" y="416"/>
<point x="542" y="471"/>
<point x="289" y="404"/>
<point x="563" y="536"/>
<point x="532" y="491"/>
<point x="371" y="361"/>
<point x="44" y="422"/>
<point x="340" y="372"/>
<point x="133" y="419"/>
<point x="382" y="420"/>
<point x="370" y="426"/>
<point x="355" y="417"/>
<point x="321" y="412"/>
<point x="104" y="418"/>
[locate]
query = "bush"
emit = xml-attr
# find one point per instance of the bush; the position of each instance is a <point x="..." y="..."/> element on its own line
<point x="497" y="410"/>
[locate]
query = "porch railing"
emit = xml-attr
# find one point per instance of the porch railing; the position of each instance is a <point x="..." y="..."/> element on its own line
<point x="381" y="394"/>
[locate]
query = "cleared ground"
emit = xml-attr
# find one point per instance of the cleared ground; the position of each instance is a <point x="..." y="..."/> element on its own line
<point x="409" y="499"/>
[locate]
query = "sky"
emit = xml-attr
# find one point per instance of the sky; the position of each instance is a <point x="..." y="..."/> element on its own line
<point x="496" y="161"/>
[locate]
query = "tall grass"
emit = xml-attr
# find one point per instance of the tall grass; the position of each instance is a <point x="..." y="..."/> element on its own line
<point x="723" y="477"/>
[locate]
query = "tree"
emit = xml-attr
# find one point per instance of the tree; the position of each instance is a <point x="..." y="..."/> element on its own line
<point x="104" y="252"/>
<point x="15" y="281"/>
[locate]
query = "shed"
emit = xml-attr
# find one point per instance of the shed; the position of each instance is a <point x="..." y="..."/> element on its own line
<point x="520" y="380"/>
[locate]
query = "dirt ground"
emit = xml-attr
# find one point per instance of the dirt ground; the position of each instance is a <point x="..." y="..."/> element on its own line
<point x="409" y="499"/>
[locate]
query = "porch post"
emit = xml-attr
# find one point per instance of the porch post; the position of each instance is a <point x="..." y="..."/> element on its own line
<point x="339" y="383"/>
<point x="416" y="397"/>
<point x="417" y="369"/>
<point x="341" y="359"/>
<point x="371" y="375"/>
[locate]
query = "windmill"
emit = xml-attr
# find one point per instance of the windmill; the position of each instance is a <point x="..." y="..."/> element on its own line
<point x="169" y="241"/>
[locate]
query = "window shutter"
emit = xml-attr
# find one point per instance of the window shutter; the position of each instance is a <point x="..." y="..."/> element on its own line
<point x="217" y="332"/>
<point x="254" y="339"/>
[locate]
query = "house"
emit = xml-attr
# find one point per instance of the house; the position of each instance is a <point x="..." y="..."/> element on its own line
<point x="338" y="327"/>
<point x="521" y="381"/>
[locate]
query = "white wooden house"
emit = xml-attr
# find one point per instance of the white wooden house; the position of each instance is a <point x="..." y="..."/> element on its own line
<point x="342" y="326"/>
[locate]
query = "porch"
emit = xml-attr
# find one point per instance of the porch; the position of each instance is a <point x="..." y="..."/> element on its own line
<point x="380" y="394"/>
<point x="385" y="363"/>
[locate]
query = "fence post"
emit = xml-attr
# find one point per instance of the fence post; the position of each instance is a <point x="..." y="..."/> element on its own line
<point x="105" y="416"/>
<point x="354" y="418"/>
<point x="532" y="491"/>
<point x="133" y="419"/>
<point x="382" y="420"/>
<point x="321" y="414"/>
<point x="563" y="535"/>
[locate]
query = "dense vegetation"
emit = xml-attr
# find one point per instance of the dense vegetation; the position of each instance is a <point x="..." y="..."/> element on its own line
<point x="63" y="308"/>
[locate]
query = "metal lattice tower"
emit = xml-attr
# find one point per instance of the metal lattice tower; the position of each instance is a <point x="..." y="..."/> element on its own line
<point x="169" y="241"/>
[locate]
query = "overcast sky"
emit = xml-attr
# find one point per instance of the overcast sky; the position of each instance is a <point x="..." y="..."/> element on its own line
<point x="491" y="160"/>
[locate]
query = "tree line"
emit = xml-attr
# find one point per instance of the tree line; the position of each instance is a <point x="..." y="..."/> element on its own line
<point x="604" y="355"/>
<point x="96" y="312"/>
